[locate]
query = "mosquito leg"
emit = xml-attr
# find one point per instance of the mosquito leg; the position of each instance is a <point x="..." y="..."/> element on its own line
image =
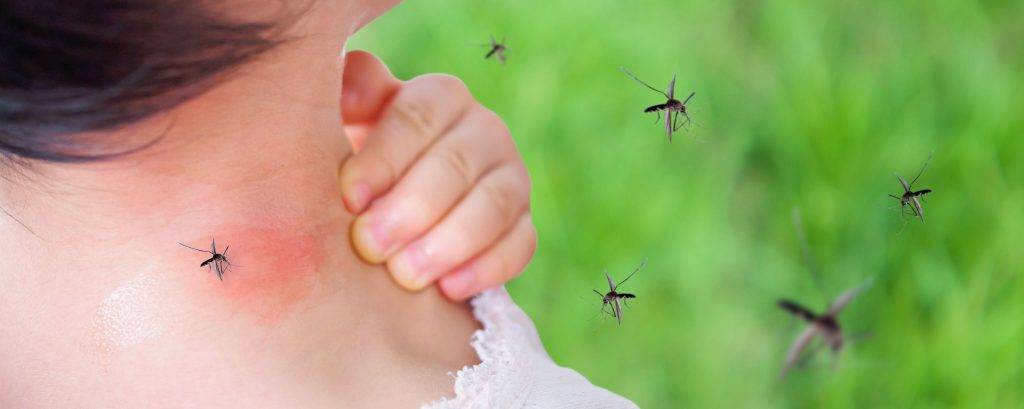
<point x="659" y="116"/>
<point x="684" y="123"/>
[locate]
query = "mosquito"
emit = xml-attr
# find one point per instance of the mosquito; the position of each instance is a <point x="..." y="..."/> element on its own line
<point x="497" y="50"/>
<point x="612" y="297"/>
<point x="217" y="261"/>
<point x="672" y="107"/>
<point x="910" y="196"/>
<point x="826" y="325"/>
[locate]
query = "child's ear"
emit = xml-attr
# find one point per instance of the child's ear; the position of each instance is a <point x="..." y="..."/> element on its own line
<point x="366" y="87"/>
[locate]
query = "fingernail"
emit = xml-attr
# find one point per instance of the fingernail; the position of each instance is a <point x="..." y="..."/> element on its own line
<point x="358" y="197"/>
<point x="459" y="284"/>
<point x="409" y="268"/>
<point x="373" y="237"/>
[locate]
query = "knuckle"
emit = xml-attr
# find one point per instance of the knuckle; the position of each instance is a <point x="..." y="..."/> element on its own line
<point x="415" y="113"/>
<point x="504" y="197"/>
<point x="458" y="162"/>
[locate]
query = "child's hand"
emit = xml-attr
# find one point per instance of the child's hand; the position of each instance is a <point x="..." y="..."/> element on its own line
<point x="438" y="185"/>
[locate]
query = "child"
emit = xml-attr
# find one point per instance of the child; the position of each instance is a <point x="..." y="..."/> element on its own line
<point x="136" y="133"/>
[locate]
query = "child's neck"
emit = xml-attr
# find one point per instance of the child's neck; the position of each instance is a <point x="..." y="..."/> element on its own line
<point x="252" y="163"/>
<point x="102" y="302"/>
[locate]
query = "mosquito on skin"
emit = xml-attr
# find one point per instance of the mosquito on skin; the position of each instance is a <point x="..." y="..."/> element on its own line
<point x="218" y="260"/>
<point x="910" y="196"/>
<point x="612" y="297"/>
<point x="672" y="106"/>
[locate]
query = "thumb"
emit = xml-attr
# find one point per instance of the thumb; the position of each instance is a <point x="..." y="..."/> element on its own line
<point x="366" y="87"/>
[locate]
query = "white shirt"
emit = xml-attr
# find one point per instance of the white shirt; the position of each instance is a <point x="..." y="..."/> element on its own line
<point x="515" y="371"/>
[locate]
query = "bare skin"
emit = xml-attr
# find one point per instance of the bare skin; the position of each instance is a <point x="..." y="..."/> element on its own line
<point x="105" y="309"/>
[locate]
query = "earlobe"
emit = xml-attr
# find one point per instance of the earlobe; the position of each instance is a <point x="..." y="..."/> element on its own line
<point x="367" y="86"/>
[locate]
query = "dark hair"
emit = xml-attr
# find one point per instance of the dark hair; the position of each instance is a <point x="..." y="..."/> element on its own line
<point x="69" y="67"/>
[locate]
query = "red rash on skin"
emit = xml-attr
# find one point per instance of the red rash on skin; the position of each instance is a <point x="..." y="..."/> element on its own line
<point x="271" y="271"/>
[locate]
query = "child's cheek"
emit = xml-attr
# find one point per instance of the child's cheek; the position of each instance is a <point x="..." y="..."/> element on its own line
<point x="270" y="271"/>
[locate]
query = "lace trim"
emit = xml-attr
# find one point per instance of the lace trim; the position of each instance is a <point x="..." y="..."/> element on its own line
<point x="503" y="377"/>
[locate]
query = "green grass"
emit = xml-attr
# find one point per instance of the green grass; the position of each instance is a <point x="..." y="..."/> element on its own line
<point x="801" y="104"/>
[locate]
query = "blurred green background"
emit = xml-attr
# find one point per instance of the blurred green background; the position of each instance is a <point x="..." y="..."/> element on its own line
<point x="800" y="104"/>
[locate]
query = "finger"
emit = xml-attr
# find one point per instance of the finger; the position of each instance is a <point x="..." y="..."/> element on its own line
<point x="487" y="212"/>
<point x="445" y="173"/>
<point x="366" y="87"/>
<point x="417" y="115"/>
<point x="496" y="265"/>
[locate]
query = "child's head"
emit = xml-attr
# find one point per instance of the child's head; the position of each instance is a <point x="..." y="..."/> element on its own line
<point x="76" y="69"/>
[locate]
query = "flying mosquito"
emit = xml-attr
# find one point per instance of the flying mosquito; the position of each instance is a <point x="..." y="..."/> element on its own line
<point x="218" y="260"/>
<point x="826" y="325"/>
<point x="612" y="297"/>
<point x="672" y="107"/>
<point x="910" y="196"/>
<point x="497" y="50"/>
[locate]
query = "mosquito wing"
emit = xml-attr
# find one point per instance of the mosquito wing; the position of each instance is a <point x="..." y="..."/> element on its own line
<point x="611" y="284"/>
<point x="618" y="310"/>
<point x="840" y="303"/>
<point x="906" y="188"/>
<point x="668" y="125"/>
<point x="916" y="204"/>
<point x="672" y="87"/>
<point x="218" y="266"/>
<point x="501" y="56"/>
<point x="798" y="347"/>
<point x="213" y="246"/>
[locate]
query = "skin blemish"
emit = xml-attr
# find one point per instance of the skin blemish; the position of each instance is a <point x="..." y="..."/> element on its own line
<point x="131" y="315"/>
<point x="272" y="270"/>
